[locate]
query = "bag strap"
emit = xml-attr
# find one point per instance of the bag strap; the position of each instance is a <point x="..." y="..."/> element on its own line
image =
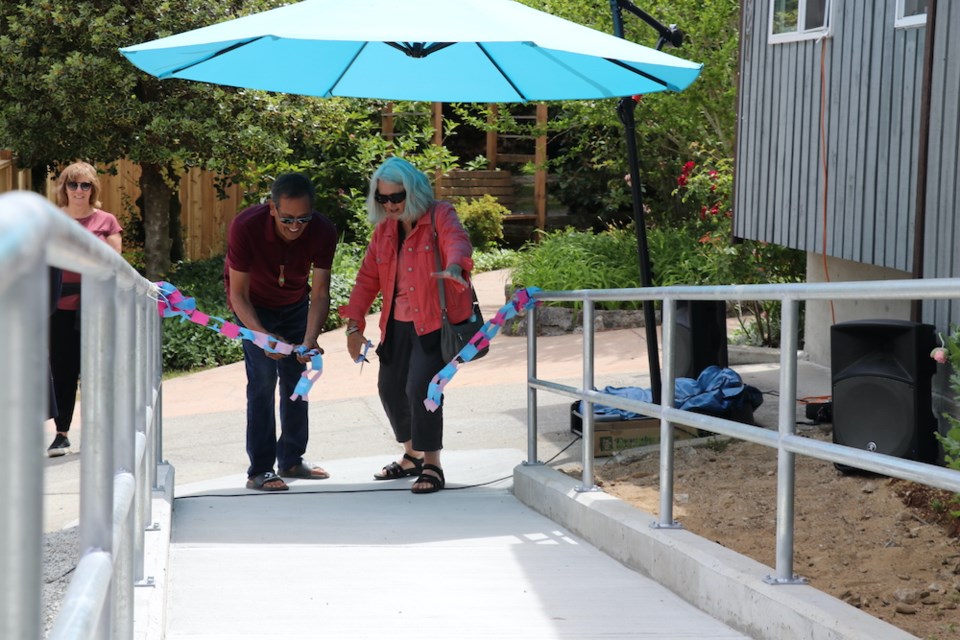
<point x="436" y="256"/>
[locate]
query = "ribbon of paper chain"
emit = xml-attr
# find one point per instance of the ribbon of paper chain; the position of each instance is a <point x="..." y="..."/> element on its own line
<point x="171" y="303"/>
<point x="520" y="301"/>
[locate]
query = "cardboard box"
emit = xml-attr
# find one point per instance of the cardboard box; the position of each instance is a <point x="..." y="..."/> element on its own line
<point x="613" y="436"/>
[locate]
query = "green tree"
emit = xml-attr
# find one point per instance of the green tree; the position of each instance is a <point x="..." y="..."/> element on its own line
<point x="66" y="93"/>
<point x="587" y="147"/>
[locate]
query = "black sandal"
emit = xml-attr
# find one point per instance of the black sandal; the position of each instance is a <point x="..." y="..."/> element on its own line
<point x="394" y="471"/>
<point x="436" y="482"/>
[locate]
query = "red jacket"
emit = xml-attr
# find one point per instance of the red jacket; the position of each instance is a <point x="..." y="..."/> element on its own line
<point x="378" y="272"/>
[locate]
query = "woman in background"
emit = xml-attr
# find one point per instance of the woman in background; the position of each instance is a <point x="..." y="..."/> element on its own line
<point x="78" y="191"/>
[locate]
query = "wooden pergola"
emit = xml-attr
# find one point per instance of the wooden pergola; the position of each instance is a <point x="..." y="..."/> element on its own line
<point x="494" y="180"/>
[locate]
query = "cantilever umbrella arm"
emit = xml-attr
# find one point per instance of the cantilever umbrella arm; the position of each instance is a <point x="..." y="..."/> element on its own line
<point x="625" y="107"/>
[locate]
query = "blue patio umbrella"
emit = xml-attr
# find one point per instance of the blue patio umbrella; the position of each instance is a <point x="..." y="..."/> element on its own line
<point x="435" y="51"/>
<point x="429" y="50"/>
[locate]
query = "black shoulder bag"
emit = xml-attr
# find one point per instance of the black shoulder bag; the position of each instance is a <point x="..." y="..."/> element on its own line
<point x="454" y="337"/>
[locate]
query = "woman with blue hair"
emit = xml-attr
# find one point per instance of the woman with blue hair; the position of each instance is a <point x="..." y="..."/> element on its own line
<point x="410" y="227"/>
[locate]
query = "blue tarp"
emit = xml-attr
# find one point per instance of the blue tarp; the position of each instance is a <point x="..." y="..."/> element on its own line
<point x="717" y="391"/>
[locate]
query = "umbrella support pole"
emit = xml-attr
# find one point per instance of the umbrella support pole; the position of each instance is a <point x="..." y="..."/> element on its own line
<point x="668" y="35"/>
<point x="625" y="110"/>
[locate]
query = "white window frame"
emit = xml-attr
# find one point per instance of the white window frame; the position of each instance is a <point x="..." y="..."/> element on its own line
<point x="904" y="22"/>
<point x="806" y="34"/>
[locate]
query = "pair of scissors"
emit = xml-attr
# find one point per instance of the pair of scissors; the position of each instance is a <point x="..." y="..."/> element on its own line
<point x="362" y="358"/>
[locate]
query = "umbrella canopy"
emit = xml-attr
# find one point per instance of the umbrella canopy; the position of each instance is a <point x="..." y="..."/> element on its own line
<point x="429" y="50"/>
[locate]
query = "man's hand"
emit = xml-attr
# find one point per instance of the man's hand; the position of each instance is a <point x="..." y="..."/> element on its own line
<point x="308" y="346"/>
<point x="272" y="343"/>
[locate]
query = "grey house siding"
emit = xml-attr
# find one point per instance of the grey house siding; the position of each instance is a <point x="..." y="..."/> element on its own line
<point x="942" y="237"/>
<point x="874" y="76"/>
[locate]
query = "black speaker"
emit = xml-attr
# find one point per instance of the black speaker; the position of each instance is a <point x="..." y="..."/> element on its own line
<point x="701" y="336"/>
<point x="882" y="373"/>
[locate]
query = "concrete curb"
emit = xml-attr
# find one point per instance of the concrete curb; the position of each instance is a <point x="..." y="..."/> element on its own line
<point x="715" y="579"/>
<point x="150" y="598"/>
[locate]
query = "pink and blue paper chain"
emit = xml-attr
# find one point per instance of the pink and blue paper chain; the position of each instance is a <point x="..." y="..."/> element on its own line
<point x="520" y="301"/>
<point x="171" y="303"/>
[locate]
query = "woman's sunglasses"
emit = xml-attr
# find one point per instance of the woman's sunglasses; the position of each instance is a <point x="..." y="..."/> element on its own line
<point x="395" y="198"/>
<point x="73" y="185"/>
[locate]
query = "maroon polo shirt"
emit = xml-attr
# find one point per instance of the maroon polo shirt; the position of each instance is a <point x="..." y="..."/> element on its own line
<point x="253" y="247"/>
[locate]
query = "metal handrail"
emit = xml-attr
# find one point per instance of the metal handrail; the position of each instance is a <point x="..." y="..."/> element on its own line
<point x="785" y="440"/>
<point x="121" y="371"/>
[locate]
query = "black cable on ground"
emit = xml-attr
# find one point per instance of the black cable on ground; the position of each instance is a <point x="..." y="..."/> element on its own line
<point x="347" y="491"/>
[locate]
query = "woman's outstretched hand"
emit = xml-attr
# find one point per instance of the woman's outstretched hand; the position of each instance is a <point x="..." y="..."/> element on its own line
<point x="453" y="272"/>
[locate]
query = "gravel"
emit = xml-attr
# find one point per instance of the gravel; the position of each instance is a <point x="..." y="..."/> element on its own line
<point x="61" y="552"/>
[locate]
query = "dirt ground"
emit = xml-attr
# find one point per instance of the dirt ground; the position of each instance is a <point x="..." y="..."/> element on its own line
<point x="886" y="546"/>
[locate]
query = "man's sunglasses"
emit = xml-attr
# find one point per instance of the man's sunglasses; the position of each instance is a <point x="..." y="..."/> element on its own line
<point x="395" y="198"/>
<point x="301" y="220"/>
<point x="73" y="185"/>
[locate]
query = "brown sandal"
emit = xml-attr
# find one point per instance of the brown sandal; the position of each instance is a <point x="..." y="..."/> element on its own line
<point x="305" y="471"/>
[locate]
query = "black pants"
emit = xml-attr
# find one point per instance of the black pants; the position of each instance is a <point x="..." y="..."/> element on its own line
<point x="65" y="364"/>
<point x="409" y="365"/>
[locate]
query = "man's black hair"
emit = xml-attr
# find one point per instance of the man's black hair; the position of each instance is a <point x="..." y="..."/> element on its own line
<point x="292" y="185"/>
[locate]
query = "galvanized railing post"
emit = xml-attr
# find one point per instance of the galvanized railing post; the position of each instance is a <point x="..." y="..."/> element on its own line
<point x="156" y="387"/>
<point x="667" y="393"/>
<point x="587" y="482"/>
<point x="532" y="429"/>
<point x="143" y="507"/>
<point x="23" y="401"/>
<point x="97" y="368"/>
<point x="124" y="457"/>
<point x="786" y="460"/>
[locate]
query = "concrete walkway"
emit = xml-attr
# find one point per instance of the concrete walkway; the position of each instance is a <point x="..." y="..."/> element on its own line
<point x="353" y="558"/>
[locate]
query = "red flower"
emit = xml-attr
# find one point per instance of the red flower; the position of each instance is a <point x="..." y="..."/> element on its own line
<point x="703" y="213"/>
<point x="682" y="179"/>
<point x="713" y="173"/>
<point x="688" y="167"/>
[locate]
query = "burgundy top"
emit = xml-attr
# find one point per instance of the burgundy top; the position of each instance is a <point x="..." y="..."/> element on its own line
<point x="101" y="224"/>
<point x="253" y="247"/>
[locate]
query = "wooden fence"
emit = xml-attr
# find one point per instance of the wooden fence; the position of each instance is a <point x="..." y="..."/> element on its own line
<point x="204" y="216"/>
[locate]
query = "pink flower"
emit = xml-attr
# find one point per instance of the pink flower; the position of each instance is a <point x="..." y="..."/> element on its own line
<point x="713" y="173"/>
<point x="940" y="354"/>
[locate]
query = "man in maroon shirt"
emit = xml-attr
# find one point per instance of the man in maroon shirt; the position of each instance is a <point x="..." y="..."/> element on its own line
<point x="271" y="250"/>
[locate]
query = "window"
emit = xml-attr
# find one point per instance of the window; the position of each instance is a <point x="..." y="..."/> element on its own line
<point x="792" y="20"/>
<point x="911" y="13"/>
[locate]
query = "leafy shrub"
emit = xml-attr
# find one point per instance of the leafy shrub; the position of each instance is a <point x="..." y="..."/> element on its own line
<point x="949" y="353"/>
<point x="705" y="187"/>
<point x="188" y="346"/>
<point x="483" y="219"/>
<point x="344" y="272"/>
<point x="494" y="259"/>
<point x="570" y="259"/>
